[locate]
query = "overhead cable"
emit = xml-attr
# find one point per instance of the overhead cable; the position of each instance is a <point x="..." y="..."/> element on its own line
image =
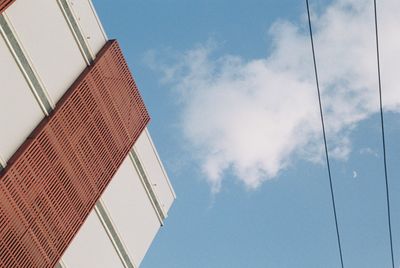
<point x="383" y="134"/>
<point x="324" y="135"/>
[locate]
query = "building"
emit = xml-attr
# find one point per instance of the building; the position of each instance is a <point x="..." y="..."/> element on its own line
<point x="81" y="183"/>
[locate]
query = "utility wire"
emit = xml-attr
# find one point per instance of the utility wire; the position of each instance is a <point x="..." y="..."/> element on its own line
<point x="383" y="134"/>
<point x="324" y="135"/>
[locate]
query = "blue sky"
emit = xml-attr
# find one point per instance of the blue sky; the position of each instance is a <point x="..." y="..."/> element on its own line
<point x="229" y="86"/>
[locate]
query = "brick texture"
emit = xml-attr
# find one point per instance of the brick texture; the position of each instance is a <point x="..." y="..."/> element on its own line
<point x="53" y="181"/>
<point x="4" y="4"/>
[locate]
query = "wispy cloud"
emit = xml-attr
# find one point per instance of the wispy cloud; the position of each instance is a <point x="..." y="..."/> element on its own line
<point x="253" y="117"/>
<point x="368" y="151"/>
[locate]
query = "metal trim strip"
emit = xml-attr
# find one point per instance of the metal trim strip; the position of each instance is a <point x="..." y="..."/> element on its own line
<point x="76" y="31"/>
<point x="25" y="65"/>
<point x="147" y="185"/>
<point x="113" y="234"/>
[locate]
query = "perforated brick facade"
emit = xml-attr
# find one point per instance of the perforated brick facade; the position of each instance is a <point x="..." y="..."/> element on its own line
<point x="53" y="181"/>
<point x="4" y="4"/>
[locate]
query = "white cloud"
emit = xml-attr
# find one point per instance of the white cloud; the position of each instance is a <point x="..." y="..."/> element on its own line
<point x="252" y="117"/>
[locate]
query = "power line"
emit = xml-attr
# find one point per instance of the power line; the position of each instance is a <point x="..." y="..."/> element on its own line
<point x="324" y="135"/>
<point x="383" y="134"/>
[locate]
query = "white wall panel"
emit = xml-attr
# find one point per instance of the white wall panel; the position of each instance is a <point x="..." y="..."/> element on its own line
<point x="49" y="42"/>
<point x="90" y="26"/>
<point x="91" y="247"/>
<point x="20" y="113"/>
<point x="131" y="210"/>
<point x="155" y="171"/>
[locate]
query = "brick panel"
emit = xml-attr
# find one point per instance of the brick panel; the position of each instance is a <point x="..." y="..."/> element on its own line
<point x="4" y="4"/>
<point x="53" y="181"/>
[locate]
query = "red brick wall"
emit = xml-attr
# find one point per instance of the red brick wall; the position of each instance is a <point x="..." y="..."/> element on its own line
<point x="53" y="181"/>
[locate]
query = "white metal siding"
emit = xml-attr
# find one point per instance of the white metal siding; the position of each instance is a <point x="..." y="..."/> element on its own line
<point x="49" y="42"/>
<point x="131" y="210"/>
<point x="155" y="171"/>
<point x="91" y="247"/>
<point x="20" y="113"/>
<point x="55" y="56"/>
<point x="90" y="26"/>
